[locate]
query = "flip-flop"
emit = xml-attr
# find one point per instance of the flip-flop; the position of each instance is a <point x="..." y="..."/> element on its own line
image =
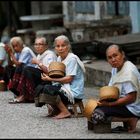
<point x="119" y="129"/>
<point x="15" y="101"/>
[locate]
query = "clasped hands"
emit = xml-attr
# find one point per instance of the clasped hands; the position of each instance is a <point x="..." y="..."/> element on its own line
<point x="45" y="77"/>
<point x="103" y="103"/>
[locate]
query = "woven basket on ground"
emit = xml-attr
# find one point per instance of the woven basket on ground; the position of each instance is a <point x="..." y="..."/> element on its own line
<point x="89" y="107"/>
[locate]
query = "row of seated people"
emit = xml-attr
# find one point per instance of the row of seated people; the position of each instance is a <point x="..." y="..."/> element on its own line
<point x="30" y="71"/>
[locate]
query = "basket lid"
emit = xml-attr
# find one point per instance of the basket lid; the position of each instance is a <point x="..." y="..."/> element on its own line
<point x="109" y="92"/>
<point x="57" y="66"/>
<point x="56" y="74"/>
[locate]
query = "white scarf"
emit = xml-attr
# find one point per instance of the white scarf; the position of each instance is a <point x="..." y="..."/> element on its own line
<point x="128" y="73"/>
<point x="66" y="87"/>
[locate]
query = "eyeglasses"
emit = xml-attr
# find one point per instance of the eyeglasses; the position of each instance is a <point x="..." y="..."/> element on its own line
<point x="39" y="44"/>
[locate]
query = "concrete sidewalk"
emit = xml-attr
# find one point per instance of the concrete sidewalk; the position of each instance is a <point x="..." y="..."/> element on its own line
<point x="28" y="122"/>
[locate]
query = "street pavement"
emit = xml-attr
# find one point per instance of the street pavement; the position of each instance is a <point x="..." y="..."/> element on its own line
<point x="25" y="121"/>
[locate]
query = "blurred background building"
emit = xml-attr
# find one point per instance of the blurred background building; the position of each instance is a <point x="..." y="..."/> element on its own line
<point x="84" y="22"/>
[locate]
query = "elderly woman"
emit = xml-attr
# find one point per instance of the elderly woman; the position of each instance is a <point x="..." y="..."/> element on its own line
<point x="20" y="56"/>
<point x="69" y="88"/>
<point x="126" y="77"/>
<point x="31" y="76"/>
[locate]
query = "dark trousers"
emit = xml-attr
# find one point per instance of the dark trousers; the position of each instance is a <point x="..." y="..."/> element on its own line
<point x="116" y="111"/>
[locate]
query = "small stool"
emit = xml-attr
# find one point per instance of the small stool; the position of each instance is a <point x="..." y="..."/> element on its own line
<point x="74" y="108"/>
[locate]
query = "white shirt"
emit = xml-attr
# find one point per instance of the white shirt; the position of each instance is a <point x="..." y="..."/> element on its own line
<point x="46" y="58"/>
<point x="126" y="88"/>
<point x="3" y="55"/>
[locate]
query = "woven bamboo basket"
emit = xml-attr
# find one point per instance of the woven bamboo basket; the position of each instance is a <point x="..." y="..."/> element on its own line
<point x="89" y="107"/>
<point x="109" y="93"/>
<point x="56" y="70"/>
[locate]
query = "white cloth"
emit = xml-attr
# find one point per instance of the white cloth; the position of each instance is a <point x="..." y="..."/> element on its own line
<point x="128" y="73"/>
<point x="71" y="55"/>
<point x="41" y="56"/>
<point x="126" y="76"/>
<point x="47" y="57"/>
<point x="66" y="87"/>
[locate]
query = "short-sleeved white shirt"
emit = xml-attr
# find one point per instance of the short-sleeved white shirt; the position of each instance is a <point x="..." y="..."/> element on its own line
<point x="77" y="84"/>
<point x="127" y="88"/>
<point x="48" y="58"/>
<point x="25" y="56"/>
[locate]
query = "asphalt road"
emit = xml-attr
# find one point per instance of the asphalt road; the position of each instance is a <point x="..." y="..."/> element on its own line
<point x="25" y="121"/>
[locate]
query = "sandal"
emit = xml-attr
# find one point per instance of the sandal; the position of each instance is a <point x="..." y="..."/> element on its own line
<point x="119" y="129"/>
<point x="15" y="101"/>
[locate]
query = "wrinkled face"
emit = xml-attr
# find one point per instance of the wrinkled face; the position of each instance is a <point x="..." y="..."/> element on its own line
<point x="40" y="46"/>
<point x="61" y="48"/>
<point x="115" y="57"/>
<point x="16" y="46"/>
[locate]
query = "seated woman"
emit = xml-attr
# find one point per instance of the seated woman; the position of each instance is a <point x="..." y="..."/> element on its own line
<point x="31" y="76"/>
<point x="69" y="88"/>
<point x="126" y="77"/>
<point x="20" y="56"/>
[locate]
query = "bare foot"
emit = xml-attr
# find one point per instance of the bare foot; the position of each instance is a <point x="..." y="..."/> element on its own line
<point x="20" y="98"/>
<point x="132" y="125"/>
<point x="62" y="115"/>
